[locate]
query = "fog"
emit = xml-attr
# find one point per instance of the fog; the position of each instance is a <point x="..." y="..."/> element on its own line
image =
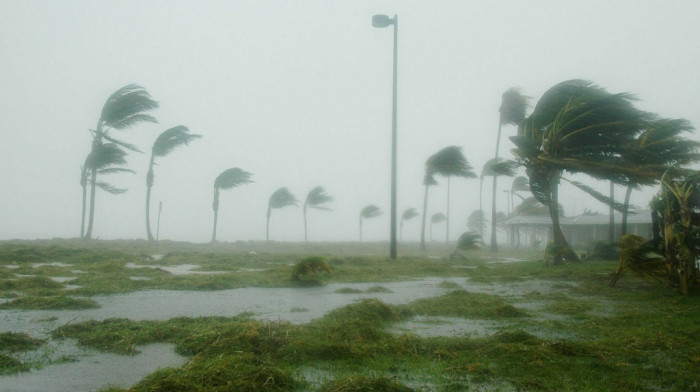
<point x="299" y="94"/>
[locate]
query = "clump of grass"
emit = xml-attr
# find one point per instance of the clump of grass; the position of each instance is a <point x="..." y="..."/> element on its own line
<point x="16" y="342"/>
<point x="461" y="303"/>
<point x="570" y="307"/>
<point x="359" y="383"/>
<point x="369" y="310"/>
<point x="347" y="290"/>
<point x="10" y="365"/>
<point x="298" y="310"/>
<point x="449" y="285"/>
<point x="378" y="289"/>
<point x="31" y="285"/>
<point x="50" y="303"/>
<point x="307" y="271"/>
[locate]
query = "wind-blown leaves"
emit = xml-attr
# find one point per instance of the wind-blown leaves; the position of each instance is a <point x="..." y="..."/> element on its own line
<point x="513" y="106"/>
<point x="282" y="198"/>
<point x="126" y="107"/>
<point x="231" y="178"/>
<point x="450" y="161"/>
<point x="409" y="214"/>
<point x="499" y="167"/>
<point x="520" y="184"/>
<point x="317" y="197"/>
<point x="370" y="211"/>
<point x="110" y="188"/>
<point x="469" y="241"/>
<point x="532" y="206"/>
<point x="121" y="143"/>
<point x="476" y="220"/>
<point x="438" y="217"/>
<point x="172" y="138"/>
<point x="597" y="195"/>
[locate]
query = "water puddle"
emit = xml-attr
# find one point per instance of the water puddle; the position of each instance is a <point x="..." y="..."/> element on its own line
<point x="182" y="269"/>
<point x="448" y="326"/>
<point x="11" y="266"/>
<point x="139" y="278"/>
<point x="54" y="264"/>
<point x="93" y="371"/>
<point x="62" y="279"/>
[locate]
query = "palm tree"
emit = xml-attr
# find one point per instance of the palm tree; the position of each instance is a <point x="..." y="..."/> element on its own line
<point x="279" y="199"/>
<point x="661" y="143"/>
<point x="123" y="109"/>
<point x="437" y="217"/>
<point x="512" y="111"/>
<point x="576" y="127"/>
<point x="475" y="222"/>
<point x="164" y="144"/>
<point x="408" y="214"/>
<point x="315" y="199"/>
<point x="105" y="159"/>
<point x="228" y="179"/>
<point x="449" y="162"/>
<point x="428" y="180"/>
<point x="492" y="168"/>
<point x="368" y="212"/>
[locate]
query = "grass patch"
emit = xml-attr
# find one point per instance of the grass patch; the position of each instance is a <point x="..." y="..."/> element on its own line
<point x="361" y="383"/>
<point x="347" y="290"/>
<point x="298" y="310"/>
<point x="50" y="303"/>
<point x="449" y="285"/>
<point x="12" y="342"/>
<point x="378" y="289"/>
<point x="461" y="303"/>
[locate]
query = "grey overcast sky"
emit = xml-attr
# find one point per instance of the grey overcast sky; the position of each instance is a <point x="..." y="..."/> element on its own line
<point x="299" y="94"/>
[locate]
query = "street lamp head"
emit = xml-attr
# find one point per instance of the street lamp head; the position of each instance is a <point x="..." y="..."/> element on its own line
<point x="381" y="21"/>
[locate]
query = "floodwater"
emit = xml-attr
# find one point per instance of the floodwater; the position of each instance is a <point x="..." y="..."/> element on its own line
<point x="93" y="370"/>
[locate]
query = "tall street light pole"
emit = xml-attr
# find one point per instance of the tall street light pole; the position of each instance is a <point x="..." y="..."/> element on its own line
<point x="381" y="21"/>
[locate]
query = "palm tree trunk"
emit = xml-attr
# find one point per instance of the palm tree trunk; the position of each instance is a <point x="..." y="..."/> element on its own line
<point x="91" y="219"/>
<point x="82" y="218"/>
<point x="360" y="228"/>
<point x="306" y="240"/>
<point x="625" y="211"/>
<point x="149" y="185"/>
<point x="611" y="224"/>
<point x="481" y="208"/>
<point x="494" y="242"/>
<point x="215" y="207"/>
<point x="267" y="227"/>
<point x="425" y="210"/>
<point x="447" y="220"/>
<point x="557" y="233"/>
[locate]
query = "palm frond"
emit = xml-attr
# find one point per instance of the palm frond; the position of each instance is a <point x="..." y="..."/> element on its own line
<point x="469" y="241"/>
<point x="409" y="214"/>
<point x="429" y="180"/>
<point x="282" y="198"/>
<point x="174" y="137"/>
<point x="316" y="197"/>
<point x="598" y="196"/>
<point x="513" y="106"/>
<point x="499" y="167"/>
<point x="450" y="161"/>
<point x="110" y="188"/>
<point x="475" y="221"/>
<point x="438" y="217"/>
<point x="114" y="170"/>
<point x="231" y="178"/>
<point x="370" y="211"/>
<point x="520" y="184"/>
<point x="105" y="155"/>
<point x="126" y="107"/>
<point x="126" y="145"/>
<point x="532" y="206"/>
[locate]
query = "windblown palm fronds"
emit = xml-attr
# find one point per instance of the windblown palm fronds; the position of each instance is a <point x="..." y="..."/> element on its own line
<point x="408" y="214"/>
<point x="279" y="199"/>
<point x="640" y="256"/>
<point x="164" y="144"/>
<point x="228" y="179"/>
<point x="316" y="198"/>
<point x="368" y="212"/>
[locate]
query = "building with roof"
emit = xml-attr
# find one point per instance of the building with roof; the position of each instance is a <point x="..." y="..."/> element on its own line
<point x="579" y="230"/>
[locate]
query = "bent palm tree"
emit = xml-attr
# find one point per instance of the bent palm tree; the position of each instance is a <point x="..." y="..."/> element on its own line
<point x="512" y="111"/>
<point x="449" y="162"/>
<point x="369" y="212"/>
<point x="164" y="144"/>
<point x="228" y="179"/>
<point x="315" y="199"/>
<point x="428" y="181"/>
<point x="123" y="109"/>
<point x="105" y="159"/>
<point x="492" y="168"/>
<point x="408" y="214"/>
<point x="576" y="127"/>
<point x="437" y="217"/>
<point x="279" y="199"/>
<point x="475" y="222"/>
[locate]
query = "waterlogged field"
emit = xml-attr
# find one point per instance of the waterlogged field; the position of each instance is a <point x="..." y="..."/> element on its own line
<point x="134" y="316"/>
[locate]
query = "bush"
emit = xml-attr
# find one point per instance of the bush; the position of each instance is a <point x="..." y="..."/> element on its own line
<point x="307" y="271"/>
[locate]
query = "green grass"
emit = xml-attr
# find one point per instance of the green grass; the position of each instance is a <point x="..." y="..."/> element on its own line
<point x="635" y="336"/>
<point x="12" y="343"/>
<point x="50" y="303"/>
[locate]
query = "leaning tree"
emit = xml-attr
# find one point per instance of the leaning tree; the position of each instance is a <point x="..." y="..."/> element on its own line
<point x="279" y="199"/>
<point x="576" y="127"/>
<point x="437" y="217"/>
<point x="123" y="109"/>
<point x="228" y="179"/>
<point x="407" y="215"/>
<point x="164" y="144"/>
<point x="368" y="212"/>
<point x="315" y="199"/>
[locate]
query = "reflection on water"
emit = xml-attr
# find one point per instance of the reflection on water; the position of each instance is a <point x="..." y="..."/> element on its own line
<point x="94" y="370"/>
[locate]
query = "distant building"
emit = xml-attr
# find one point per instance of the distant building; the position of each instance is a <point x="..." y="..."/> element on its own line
<point x="579" y="230"/>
